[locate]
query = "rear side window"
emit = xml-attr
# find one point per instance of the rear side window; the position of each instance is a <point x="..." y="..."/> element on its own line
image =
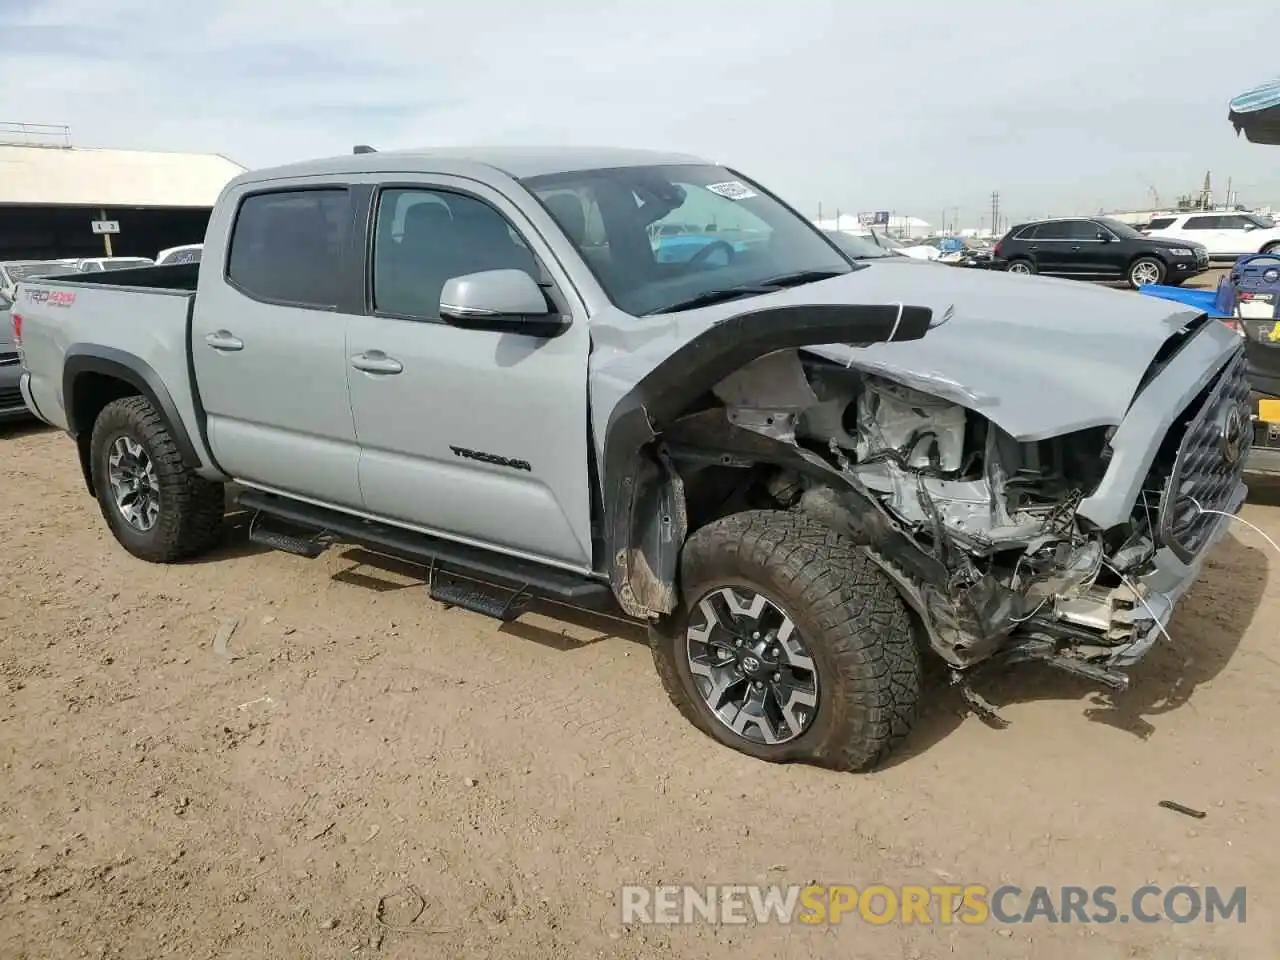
<point x="287" y="247"/>
<point x="1026" y="233"/>
<point x="1202" y="223"/>
<point x="1160" y="223"/>
<point x="1057" y="230"/>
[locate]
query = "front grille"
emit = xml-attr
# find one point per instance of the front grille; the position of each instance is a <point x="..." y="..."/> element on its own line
<point x="7" y="359"/>
<point x="1209" y="464"/>
<point x="11" y="397"/>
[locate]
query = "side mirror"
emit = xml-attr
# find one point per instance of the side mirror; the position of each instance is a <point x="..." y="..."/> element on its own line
<point x="1250" y="226"/>
<point x="1104" y="236"/>
<point x="505" y="300"/>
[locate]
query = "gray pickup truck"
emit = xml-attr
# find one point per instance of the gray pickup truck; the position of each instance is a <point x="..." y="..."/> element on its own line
<point x="804" y="473"/>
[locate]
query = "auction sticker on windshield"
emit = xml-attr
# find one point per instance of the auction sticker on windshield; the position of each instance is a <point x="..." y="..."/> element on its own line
<point x="732" y="190"/>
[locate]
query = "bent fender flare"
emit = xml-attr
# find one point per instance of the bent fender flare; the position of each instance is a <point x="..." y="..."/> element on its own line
<point x="643" y="547"/>
<point x="137" y="373"/>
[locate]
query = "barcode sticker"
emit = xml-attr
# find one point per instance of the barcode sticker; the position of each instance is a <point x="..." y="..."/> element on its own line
<point x="732" y="190"/>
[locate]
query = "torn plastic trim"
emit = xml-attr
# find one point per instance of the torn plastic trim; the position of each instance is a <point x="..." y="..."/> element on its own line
<point x="645" y="523"/>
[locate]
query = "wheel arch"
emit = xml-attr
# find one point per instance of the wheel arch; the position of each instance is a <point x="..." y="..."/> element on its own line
<point x="645" y="514"/>
<point x="94" y="376"/>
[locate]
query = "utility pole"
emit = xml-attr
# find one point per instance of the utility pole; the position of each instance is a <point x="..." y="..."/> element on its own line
<point x="995" y="212"/>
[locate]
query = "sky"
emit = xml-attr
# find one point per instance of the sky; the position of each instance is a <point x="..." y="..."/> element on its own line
<point x="922" y="107"/>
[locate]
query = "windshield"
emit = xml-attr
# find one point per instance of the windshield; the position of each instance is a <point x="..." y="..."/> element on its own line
<point x="1121" y="230"/>
<point x="860" y="248"/>
<point x="17" y="272"/>
<point x="730" y="235"/>
<point x="189" y="255"/>
<point x="127" y="263"/>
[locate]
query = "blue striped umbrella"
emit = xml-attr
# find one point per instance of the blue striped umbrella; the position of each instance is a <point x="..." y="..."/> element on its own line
<point x="1257" y="113"/>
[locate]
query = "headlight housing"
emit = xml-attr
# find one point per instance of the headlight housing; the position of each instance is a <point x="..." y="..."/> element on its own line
<point x="1182" y="252"/>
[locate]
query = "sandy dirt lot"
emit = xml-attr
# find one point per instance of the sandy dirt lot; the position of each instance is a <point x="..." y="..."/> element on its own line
<point x="362" y="773"/>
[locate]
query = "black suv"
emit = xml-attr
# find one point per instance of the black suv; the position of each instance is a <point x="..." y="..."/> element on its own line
<point x="1098" y="248"/>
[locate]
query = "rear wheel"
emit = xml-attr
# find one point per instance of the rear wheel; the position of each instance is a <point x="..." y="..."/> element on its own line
<point x="1023" y="267"/>
<point x="156" y="506"/>
<point x="1145" y="271"/>
<point x="790" y="644"/>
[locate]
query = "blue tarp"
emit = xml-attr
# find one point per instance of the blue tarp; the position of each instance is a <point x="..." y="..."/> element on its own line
<point x="1259" y="98"/>
<point x="1199" y="299"/>
<point x="1256" y="113"/>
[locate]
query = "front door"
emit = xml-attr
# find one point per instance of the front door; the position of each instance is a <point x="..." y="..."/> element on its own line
<point x="476" y="435"/>
<point x="268" y="339"/>
<point x="1205" y="228"/>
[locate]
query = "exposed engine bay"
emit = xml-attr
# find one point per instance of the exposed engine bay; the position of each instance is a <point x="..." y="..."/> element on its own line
<point x="1003" y="555"/>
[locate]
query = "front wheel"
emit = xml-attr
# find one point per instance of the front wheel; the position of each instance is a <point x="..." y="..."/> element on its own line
<point x="790" y="644"/>
<point x="157" y="507"/>
<point x="1145" y="272"/>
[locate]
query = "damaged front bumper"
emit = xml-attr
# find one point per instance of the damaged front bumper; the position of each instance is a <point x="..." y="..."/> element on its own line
<point x="1139" y="608"/>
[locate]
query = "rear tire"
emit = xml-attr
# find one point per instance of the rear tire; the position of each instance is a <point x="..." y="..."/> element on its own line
<point x="157" y="507"/>
<point x="848" y="623"/>
<point x="1021" y="266"/>
<point x="1146" y="271"/>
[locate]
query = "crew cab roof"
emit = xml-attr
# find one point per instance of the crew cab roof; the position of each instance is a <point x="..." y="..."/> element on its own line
<point x="516" y="162"/>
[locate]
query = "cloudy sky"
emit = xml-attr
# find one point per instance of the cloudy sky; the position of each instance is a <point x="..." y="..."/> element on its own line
<point x="912" y="105"/>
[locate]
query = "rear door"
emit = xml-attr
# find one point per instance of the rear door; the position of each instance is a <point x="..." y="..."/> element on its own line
<point x="477" y="435"/>
<point x="1052" y="248"/>
<point x="268" y="341"/>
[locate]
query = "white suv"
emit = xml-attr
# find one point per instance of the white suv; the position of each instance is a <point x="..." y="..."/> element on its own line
<point x="1225" y="235"/>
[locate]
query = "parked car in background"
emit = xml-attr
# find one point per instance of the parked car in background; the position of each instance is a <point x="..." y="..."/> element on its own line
<point x="1098" y="248"/>
<point x="99" y="264"/>
<point x="12" y="271"/>
<point x="1226" y="236"/>
<point x="187" y="253"/>
<point x="861" y="247"/>
<point x="920" y="251"/>
<point x="12" y="406"/>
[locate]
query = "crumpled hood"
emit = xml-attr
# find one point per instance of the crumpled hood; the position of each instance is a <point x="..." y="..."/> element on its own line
<point x="1038" y="357"/>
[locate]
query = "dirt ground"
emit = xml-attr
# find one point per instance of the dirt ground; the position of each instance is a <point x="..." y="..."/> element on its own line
<point x="355" y="747"/>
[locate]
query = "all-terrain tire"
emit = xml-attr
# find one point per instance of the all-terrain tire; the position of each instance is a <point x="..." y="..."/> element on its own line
<point x="191" y="508"/>
<point x="851" y="617"/>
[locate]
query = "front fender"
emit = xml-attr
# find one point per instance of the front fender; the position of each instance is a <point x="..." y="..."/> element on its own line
<point x="643" y="501"/>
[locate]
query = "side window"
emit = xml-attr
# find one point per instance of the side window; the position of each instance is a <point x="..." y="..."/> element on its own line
<point x="1028" y="233"/>
<point x="1160" y="223"/>
<point x="1201" y="223"/>
<point x="287" y="247"/>
<point x="1232" y="222"/>
<point x="425" y="237"/>
<point x="1083" y="230"/>
<point x="1055" y="230"/>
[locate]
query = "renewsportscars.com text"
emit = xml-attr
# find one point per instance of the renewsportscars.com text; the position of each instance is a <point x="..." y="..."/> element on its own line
<point x="935" y="904"/>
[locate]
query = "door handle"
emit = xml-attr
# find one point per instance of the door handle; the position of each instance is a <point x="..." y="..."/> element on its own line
<point x="375" y="361"/>
<point x="224" y="340"/>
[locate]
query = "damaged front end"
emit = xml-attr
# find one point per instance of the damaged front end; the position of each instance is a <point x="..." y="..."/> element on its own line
<point x="1005" y="548"/>
<point x="987" y="536"/>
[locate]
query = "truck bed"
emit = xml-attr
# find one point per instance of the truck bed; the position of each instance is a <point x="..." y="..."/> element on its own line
<point x="145" y="316"/>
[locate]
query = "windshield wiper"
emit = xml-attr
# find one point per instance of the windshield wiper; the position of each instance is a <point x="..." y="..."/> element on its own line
<point x="772" y="285"/>
<point x="712" y="297"/>
<point x="800" y="277"/>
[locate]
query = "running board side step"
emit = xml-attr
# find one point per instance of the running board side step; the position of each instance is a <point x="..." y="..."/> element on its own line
<point x="493" y="584"/>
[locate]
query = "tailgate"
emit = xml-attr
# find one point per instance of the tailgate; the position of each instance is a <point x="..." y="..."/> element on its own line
<point x="68" y="326"/>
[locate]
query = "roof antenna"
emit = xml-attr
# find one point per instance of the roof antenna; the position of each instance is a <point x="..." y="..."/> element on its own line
<point x="363" y="148"/>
